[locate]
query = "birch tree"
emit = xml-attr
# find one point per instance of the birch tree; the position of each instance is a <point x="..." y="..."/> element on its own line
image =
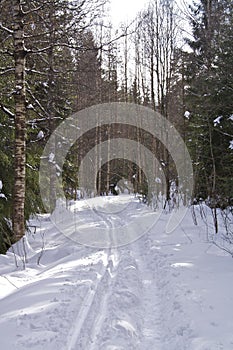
<point x="37" y="38"/>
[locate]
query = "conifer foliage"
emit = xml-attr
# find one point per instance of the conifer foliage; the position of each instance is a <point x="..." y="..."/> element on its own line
<point x="208" y="97"/>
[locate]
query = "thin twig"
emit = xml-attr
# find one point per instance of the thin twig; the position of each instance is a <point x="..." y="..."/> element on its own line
<point x="10" y="281"/>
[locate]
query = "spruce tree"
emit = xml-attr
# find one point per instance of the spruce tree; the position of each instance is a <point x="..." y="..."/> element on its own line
<point x="208" y="97"/>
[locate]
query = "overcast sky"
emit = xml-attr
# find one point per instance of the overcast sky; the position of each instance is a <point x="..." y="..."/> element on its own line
<point x="123" y="10"/>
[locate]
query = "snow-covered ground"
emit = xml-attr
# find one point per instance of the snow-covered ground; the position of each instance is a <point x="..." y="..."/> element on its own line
<point x="161" y="292"/>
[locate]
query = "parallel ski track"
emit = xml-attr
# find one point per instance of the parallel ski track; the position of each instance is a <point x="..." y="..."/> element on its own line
<point x="87" y="325"/>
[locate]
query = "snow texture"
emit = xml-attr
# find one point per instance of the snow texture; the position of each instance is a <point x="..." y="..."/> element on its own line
<point x="162" y="292"/>
<point x="51" y="157"/>
<point x="40" y="135"/>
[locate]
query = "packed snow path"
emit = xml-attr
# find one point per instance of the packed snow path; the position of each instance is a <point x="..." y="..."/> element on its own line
<point x="161" y="292"/>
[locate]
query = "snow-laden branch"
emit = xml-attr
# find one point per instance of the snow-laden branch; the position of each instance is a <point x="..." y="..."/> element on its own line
<point x="6" y="52"/>
<point x="6" y="70"/>
<point x="223" y="132"/>
<point x="7" y="111"/>
<point x="36" y="121"/>
<point x="41" y="120"/>
<point x="35" y="71"/>
<point x="8" y="30"/>
<point x="37" y="102"/>
<point x="31" y="11"/>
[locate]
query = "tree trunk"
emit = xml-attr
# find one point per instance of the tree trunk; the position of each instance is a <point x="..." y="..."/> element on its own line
<point x="18" y="220"/>
<point x="126" y="66"/>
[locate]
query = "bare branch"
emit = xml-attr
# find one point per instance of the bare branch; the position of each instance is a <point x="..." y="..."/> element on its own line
<point x="223" y="248"/>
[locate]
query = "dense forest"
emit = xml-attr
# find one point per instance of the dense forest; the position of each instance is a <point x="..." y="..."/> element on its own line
<point x="59" y="57"/>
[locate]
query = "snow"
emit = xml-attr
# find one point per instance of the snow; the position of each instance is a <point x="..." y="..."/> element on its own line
<point x="217" y="120"/>
<point x="187" y="114"/>
<point x="40" y="135"/>
<point x="231" y="144"/>
<point x="8" y="112"/>
<point x="30" y="166"/>
<point x="1" y="185"/>
<point x="161" y="292"/>
<point x="51" y="157"/>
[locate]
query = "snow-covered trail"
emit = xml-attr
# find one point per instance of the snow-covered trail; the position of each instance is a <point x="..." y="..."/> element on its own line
<point x="87" y="326"/>
<point x="161" y="292"/>
<point x="152" y="325"/>
<point x="107" y="319"/>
